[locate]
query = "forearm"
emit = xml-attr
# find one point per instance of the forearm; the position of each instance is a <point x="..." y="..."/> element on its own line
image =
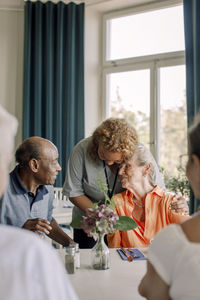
<point x="83" y="202"/>
<point x="58" y="235"/>
<point x="153" y="286"/>
<point x="177" y="218"/>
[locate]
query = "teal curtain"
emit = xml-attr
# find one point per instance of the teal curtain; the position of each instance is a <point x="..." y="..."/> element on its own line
<point x="192" y="46"/>
<point x="53" y="98"/>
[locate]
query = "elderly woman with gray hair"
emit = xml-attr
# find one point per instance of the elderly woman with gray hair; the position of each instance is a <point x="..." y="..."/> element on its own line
<point x="147" y="203"/>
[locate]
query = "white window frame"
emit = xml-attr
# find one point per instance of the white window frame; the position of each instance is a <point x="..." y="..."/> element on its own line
<point x="151" y="62"/>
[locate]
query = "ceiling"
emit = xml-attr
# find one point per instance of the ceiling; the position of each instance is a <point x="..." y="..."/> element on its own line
<point x="97" y="4"/>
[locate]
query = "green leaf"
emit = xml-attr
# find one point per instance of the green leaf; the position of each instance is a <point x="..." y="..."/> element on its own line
<point x="76" y="222"/>
<point x="125" y="223"/>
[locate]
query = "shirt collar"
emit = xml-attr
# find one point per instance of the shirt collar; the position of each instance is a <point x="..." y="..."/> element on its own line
<point x="18" y="185"/>
<point x="129" y="194"/>
<point x="156" y="190"/>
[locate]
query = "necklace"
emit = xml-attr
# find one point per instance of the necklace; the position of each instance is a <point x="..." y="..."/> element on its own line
<point x="139" y="205"/>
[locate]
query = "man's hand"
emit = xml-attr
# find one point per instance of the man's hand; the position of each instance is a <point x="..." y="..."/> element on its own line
<point x="179" y="204"/>
<point x="38" y="225"/>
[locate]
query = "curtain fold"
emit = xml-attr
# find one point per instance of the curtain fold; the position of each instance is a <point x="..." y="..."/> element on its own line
<point x="53" y="96"/>
<point x="192" y="48"/>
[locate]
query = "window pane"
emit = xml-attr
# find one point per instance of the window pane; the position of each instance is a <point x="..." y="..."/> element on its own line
<point x="129" y="98"/>
<point x="146" y="33"/>
<point x="173" y="132"/>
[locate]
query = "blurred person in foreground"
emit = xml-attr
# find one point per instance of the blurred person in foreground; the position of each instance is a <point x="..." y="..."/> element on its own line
<point x="29" y="268"/>
<point x="144" y="201"/>
<point x="28" y="199"/>
<point x="173" y="266"/>
<point x="100" y="156"/>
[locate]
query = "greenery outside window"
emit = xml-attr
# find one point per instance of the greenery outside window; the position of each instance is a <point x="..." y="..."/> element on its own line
<point x="144" y="77"/>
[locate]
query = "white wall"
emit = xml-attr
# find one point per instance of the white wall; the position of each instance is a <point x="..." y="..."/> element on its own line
<point x="11" y="66"/>
<point x="93" y="55"/>
<point x="11" y="62"/>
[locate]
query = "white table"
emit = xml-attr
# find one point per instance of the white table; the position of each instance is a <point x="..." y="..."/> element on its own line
<point x="120" y="282"/>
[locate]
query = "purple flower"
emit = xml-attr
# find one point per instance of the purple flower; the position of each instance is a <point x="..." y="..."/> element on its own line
<point x="100" y="219"/>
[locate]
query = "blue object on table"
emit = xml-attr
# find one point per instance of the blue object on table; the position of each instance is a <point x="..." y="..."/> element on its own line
<point x="136" y="251"/>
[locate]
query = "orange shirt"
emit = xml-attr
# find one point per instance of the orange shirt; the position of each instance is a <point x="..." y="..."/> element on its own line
<point x="157" y="216"/>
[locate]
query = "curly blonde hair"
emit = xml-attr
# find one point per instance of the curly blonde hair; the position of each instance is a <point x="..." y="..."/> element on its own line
<point x="115" y="135"/>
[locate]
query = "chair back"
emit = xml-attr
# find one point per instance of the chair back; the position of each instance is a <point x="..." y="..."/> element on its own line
<point x="60" y="199"/>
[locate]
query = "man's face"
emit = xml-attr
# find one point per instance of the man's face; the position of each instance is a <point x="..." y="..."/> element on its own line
<point x="48" y="165"/>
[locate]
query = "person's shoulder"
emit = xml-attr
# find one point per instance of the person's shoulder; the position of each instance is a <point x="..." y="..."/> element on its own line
<point x="120" y="197"/>
<point x="164" y="198"/>
<point x="168" y="238"/>
<point x="83" y="143"/>
<point x="191" y="228"/>
<point x="27" y="257"/>
<point x="81" y="146"/>
<point x="168" y="231"/>
<point x="158" y="191"/>
<point x="80" y="151"/>
<point x="50" y="188"/>
<point x="171" y="236"/>
<point x="24" y="248"/>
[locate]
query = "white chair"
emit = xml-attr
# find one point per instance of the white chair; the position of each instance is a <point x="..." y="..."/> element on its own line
<point x="62" y="211"/>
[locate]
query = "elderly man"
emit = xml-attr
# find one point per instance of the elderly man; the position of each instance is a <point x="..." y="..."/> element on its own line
<point x="28" y="200"/>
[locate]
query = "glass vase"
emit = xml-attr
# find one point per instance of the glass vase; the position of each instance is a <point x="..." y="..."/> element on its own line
<point x="100" y="255"/>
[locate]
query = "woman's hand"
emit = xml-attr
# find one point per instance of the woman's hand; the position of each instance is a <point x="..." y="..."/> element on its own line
<point x="179" y="204"/>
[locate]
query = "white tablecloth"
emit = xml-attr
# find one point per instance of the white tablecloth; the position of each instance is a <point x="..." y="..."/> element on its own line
<point x="120" y="282"/>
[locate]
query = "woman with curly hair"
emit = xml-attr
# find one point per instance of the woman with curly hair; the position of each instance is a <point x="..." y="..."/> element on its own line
<point x="99" y="156"/>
